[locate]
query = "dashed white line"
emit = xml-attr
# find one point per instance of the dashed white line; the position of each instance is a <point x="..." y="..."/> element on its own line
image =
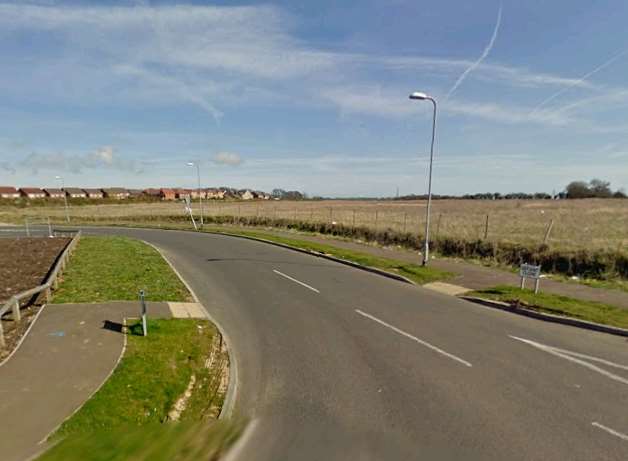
<point x="571" y="356"/>
<point x="611" y="431"/>
<point x="414" y="338"/>
<point x="296" y="281"/>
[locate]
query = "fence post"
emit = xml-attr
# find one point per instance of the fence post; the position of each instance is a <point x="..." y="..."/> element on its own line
<point x="547" y="232"/>
<point x="2" y="342"/>
<point x="16" y="310"/>
<point x="353" y="218"/>
<point x="143" y="302"/>
<point x="486" y="228"/>
<point x="405" y="222"/>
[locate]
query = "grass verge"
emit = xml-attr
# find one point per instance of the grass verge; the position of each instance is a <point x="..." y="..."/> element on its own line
<point x="113" y="269"/>
<point x="125" y="418"/>
<point x="414" y="272"/>
<point x="558" y="305"/>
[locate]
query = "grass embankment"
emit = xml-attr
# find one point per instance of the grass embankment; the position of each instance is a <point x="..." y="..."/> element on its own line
<point x="558" y="305"/>
<point x="114" y="269"/>
<point x="126" y="418"/>
<point x="414" y="272"/>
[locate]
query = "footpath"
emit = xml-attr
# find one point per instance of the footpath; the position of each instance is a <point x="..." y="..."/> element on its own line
<point x="469" y="276"/>
<point x="67" y="355"/>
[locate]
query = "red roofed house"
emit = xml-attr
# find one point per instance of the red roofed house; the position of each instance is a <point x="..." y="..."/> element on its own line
<point x="168" y="194"/>
<point x="54" y="193"/>
<point x="93" y="193"/>
<point x="32" y="192"/>
<point x="9" y="192"/>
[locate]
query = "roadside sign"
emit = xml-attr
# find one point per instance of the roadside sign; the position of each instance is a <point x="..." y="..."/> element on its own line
<point x="530" y="271"/>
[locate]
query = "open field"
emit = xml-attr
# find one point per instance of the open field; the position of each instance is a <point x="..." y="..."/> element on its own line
<point x="577" y="224"/>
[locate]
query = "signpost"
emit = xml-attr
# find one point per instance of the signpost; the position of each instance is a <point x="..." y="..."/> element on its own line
<point x="530" y="271"/>
<point x="142" y="300"/>
<point x="188" y="208"/>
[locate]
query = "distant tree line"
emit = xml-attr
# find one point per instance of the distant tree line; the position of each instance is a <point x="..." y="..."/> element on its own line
<point x="596" y="188"/>
<point x="287" y="194"/>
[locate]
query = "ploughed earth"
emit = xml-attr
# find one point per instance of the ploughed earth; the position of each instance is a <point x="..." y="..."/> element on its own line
<point x="25" y="263"/>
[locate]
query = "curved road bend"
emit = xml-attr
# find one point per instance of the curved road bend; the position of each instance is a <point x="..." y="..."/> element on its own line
<point x="338" y="363"/>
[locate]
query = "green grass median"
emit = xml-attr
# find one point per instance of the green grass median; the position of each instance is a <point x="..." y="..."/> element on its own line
<point x="113" y="269"/>
<point x="128" y="417"/>
<point x="590" y="311"/>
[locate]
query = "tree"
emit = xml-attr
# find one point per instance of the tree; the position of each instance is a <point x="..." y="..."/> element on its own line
<point x="600" y="189"/>
<point x="578" y="189"/>
<point x="620" y="193"/>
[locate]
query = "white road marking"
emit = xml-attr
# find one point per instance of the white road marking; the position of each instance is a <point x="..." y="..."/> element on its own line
<point x="414" y="338"/>
<point x="571" y="356"/>
<point x="296" y="281"/>
<point x="611" y="431"/>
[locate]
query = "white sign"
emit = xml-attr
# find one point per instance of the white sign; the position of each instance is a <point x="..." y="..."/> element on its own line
<point x="530" y="271"/>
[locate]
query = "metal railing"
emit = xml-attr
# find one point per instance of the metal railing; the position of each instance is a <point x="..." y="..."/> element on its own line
<point x="14" y="304"/>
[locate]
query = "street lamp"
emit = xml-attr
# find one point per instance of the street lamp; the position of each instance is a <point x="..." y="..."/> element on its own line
<point x="65" y="197"/>
<point x="426" y="249"/>
<point x="198" y="176"/>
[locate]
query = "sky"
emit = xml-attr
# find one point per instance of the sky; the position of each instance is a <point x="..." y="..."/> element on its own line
<point x="313" y="95"/>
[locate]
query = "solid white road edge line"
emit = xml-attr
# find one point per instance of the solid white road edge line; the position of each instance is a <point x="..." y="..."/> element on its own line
<point x="554" y="351"/>
<point x="414" y="338"/>
<point x="611" y="431"/>
<point x="296" y="281"/>
<point x="235" y="453"/>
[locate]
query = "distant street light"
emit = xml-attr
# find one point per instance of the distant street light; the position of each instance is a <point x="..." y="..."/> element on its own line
<point x="426" y="249"/>
<point x="65" y="197"/>
<point x="198" y="176"/>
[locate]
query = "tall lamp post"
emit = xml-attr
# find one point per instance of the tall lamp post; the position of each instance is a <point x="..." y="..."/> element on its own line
<point x="65" y="198"/>
<point x="426" y="249"/>
<point x="200" y="198"/>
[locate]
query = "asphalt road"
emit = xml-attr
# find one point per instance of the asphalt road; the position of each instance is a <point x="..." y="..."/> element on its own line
<point x="338" y="363"/>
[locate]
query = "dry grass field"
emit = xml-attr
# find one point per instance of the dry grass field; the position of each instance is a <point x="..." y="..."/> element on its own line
<point x="593" y="224"/>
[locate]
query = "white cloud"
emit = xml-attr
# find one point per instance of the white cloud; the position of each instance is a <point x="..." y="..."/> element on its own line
<point x="211" y="56"/>
<point x="227" y="158"/>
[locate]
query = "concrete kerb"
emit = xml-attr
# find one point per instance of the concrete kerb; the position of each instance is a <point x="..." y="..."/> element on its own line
<point x="547" y="317"/>
<point x="227" y="407"/>
<point x="28" y="330"/>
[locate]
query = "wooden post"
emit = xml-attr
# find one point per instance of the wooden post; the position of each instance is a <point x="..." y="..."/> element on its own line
<point x="547" y="232"/>
<point x="48" y="295"/>
<point x="486" y="228"/>
<point x="2" y="342"/>
<point x="16" y="310"/>
<point x="353" y="218"/>
<point x="405" y="222"/>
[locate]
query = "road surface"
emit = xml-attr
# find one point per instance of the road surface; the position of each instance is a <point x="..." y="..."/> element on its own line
<point x="338" y="363"/>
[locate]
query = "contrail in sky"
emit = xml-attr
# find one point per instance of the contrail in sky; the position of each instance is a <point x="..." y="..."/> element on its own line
<point x="485" y="53"/>
<point x="579" y="81"/>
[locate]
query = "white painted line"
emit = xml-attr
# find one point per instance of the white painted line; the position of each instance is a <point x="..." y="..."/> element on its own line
<point x="414" y="338"/>
<point x="571" y="356"/>
<point x="296" y="281"/>
<point x="611" y="431"/>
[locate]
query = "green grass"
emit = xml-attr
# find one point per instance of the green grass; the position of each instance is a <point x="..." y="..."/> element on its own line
<point x="414" y="272"/>
<point x="115" y="269"/>
<point x="125" y="418"/>
<point x="559" y="305"/>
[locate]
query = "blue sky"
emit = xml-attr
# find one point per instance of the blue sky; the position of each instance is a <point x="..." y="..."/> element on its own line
<point x="314" y="95"/>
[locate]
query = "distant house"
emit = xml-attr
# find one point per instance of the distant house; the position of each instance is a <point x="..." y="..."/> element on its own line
<point x="9" y="192"/>
<point x="93" y="193"/>
<point x="213" y="193"/>
<point x="152" y="193"/>
<point x="182" y="193"/>
<point x="167" y="194"/>
<point x="135" y="193"/>
<point x="32" y="192"/>
<point x="247" y="195"/>
<point x="117" y="193"/>
<point x="74" y="192"/>
<point x="54" y="193"/>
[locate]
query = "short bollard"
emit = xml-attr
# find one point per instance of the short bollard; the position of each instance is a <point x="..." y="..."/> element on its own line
<point x="143" y="301"/>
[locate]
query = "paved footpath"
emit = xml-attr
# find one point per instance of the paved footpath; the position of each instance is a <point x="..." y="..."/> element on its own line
<point x="69" y="352"/>
<point x="470" y="275"/>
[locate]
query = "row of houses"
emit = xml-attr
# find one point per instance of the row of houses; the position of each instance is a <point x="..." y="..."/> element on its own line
<point x="120" y="193"/>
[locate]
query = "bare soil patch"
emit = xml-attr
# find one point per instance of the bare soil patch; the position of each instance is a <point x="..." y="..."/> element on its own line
<point x="25" y="262"/>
